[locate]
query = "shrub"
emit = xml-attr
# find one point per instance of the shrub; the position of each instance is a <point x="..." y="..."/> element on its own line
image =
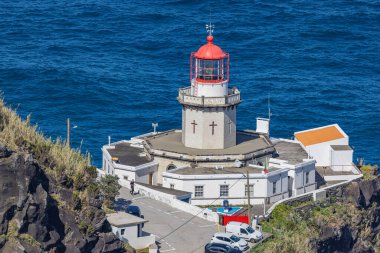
<point x="19" y="135"/>
<point x="109" y="187"/>
<point x="82" y="227"/>
<point x="92" y="191"/>
<point x="90" y="230"/>
<point x="77" y="203"/>
<point x="29" y="239"/>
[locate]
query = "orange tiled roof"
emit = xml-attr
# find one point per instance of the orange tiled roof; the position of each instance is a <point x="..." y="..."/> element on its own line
<point x="312" y="137"/>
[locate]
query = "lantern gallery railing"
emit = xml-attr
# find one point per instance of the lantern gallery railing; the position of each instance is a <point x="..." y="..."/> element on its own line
<point x="185" y="97"/>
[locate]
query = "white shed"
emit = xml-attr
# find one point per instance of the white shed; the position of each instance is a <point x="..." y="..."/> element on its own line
<point x="328" y="145"/>
<point x="128" y="228"/>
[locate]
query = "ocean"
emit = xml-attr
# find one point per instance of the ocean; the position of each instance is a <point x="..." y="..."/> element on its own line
<point x="114" y="67"/>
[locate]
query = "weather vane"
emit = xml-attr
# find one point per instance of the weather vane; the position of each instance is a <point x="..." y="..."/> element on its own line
<point x="210" y="28"/>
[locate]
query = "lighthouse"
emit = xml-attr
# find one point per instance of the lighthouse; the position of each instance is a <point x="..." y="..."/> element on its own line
<point x="209" y="104"/>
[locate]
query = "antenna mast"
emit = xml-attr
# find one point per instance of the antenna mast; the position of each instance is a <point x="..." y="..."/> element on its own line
<point x="210" y="27"/>
<point x="269" y="113"/>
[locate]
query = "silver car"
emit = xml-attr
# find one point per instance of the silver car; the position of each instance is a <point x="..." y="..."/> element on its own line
<point x="231" y="240"/>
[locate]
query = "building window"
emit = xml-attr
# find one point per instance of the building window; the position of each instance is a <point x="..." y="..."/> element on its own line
<point x="172" y="186"/>
<point x="250" y="190"/>
<point x="122" y="232"/>
<point x="307" y="177"/>
<point x="224" y="190"/>
<point x="198" y="192"/>
<point x="274" y="187"/>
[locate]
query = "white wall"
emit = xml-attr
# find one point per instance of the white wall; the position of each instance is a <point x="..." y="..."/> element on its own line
<point x="321" y="152"/>
<point x="341" y="160"/>
<point x="262" y="186"/>
<point x="172" y="201"/>
<point x="299" y="173"/>
<point x="210" y="89"/>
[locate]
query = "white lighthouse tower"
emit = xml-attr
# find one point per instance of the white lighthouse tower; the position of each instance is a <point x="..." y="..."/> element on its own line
<point x="209" y="105"/>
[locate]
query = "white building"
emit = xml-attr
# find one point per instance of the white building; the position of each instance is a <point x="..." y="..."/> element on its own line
<point x="289" y="174"/>
<point x="128" y="228"/>
<point x="209" y="158"/>
<point x="329" y="146"/>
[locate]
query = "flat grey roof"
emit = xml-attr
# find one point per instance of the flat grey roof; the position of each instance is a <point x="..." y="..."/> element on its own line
<point x="289" y="151"/>
<point x="327" y="171"/>
<point x="171" y="141"/>
<point x="341" y="147"/>
<point x="128" y="155"/>
<point x="213" y="171"/>
<point x="122" y="219"/>
<point x="174" y="192"/>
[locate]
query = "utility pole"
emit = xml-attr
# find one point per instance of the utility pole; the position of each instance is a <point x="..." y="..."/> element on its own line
<point x="249" y="199"/>
<point x="68" y="132"/>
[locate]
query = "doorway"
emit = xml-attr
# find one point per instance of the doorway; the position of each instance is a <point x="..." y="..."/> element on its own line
<point x="151" y="178"/>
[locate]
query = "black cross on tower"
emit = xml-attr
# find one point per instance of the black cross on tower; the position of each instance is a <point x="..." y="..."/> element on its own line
<point x="213" y="125"/>
<point x="194" y="124"/>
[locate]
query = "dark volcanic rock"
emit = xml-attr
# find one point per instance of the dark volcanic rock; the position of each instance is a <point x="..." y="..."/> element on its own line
<point x="35" y="220"/>
<point x="357" y="232"/>
<point x="5" y="152"/>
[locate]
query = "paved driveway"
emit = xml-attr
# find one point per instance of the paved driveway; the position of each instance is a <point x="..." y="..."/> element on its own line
<point x="164" y="219"/>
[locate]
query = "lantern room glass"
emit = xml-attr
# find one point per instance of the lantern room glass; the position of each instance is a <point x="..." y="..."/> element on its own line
<point x="210" y="70"/>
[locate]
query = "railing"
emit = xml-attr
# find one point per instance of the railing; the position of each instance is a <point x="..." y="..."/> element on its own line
<point x="184" y="96"/>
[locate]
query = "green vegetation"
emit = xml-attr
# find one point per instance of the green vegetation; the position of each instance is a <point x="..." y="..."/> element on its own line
<point x="86" y="228"/>
<point x="29" y="239"/>
<point x="146" y="250"/>
<point x="56" y="157"/>
<point x="290" y="232"/>
<point x="109" y="187"/>
<point x="12" y="229"/>
<point x="293" y="227"/>
<point x="77" y="202"/>
<point x="57" y="199"/>
<point x="369" y="172"/>
<point x="67" y="166"/>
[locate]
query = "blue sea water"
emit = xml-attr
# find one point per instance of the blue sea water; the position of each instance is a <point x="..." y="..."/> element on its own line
<point x="114" y="67"/>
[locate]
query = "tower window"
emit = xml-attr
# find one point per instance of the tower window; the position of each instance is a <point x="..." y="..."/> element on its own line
<point x="307" y="178"/>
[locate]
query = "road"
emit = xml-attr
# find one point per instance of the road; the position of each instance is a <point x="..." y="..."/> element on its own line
<point x="163" y="219"/>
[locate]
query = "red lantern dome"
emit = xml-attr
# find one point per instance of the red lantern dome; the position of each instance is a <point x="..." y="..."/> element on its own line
<point x="210" y="64"/>
<point x="210" y="51"/>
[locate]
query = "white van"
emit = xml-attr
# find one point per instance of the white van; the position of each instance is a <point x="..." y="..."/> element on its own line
<point x="244" y="231"/>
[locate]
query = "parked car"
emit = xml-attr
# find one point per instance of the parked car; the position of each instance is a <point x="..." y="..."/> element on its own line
<point x="244" y="231"/>
<point x="230" y="240"/>
<point x="220" y="248"/>
<point x="135" y="210"/>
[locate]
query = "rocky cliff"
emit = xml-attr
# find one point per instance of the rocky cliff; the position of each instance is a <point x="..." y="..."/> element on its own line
<point x="37" y="214"/>
<point x="354" y="222"/>
<point x="49" y="198"/>
<point x="347" y="221"/>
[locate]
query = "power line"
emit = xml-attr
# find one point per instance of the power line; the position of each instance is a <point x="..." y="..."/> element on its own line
<point x="199" y="212"/>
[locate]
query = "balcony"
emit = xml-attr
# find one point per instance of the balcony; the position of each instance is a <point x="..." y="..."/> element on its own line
<point x="185" y="97"/>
